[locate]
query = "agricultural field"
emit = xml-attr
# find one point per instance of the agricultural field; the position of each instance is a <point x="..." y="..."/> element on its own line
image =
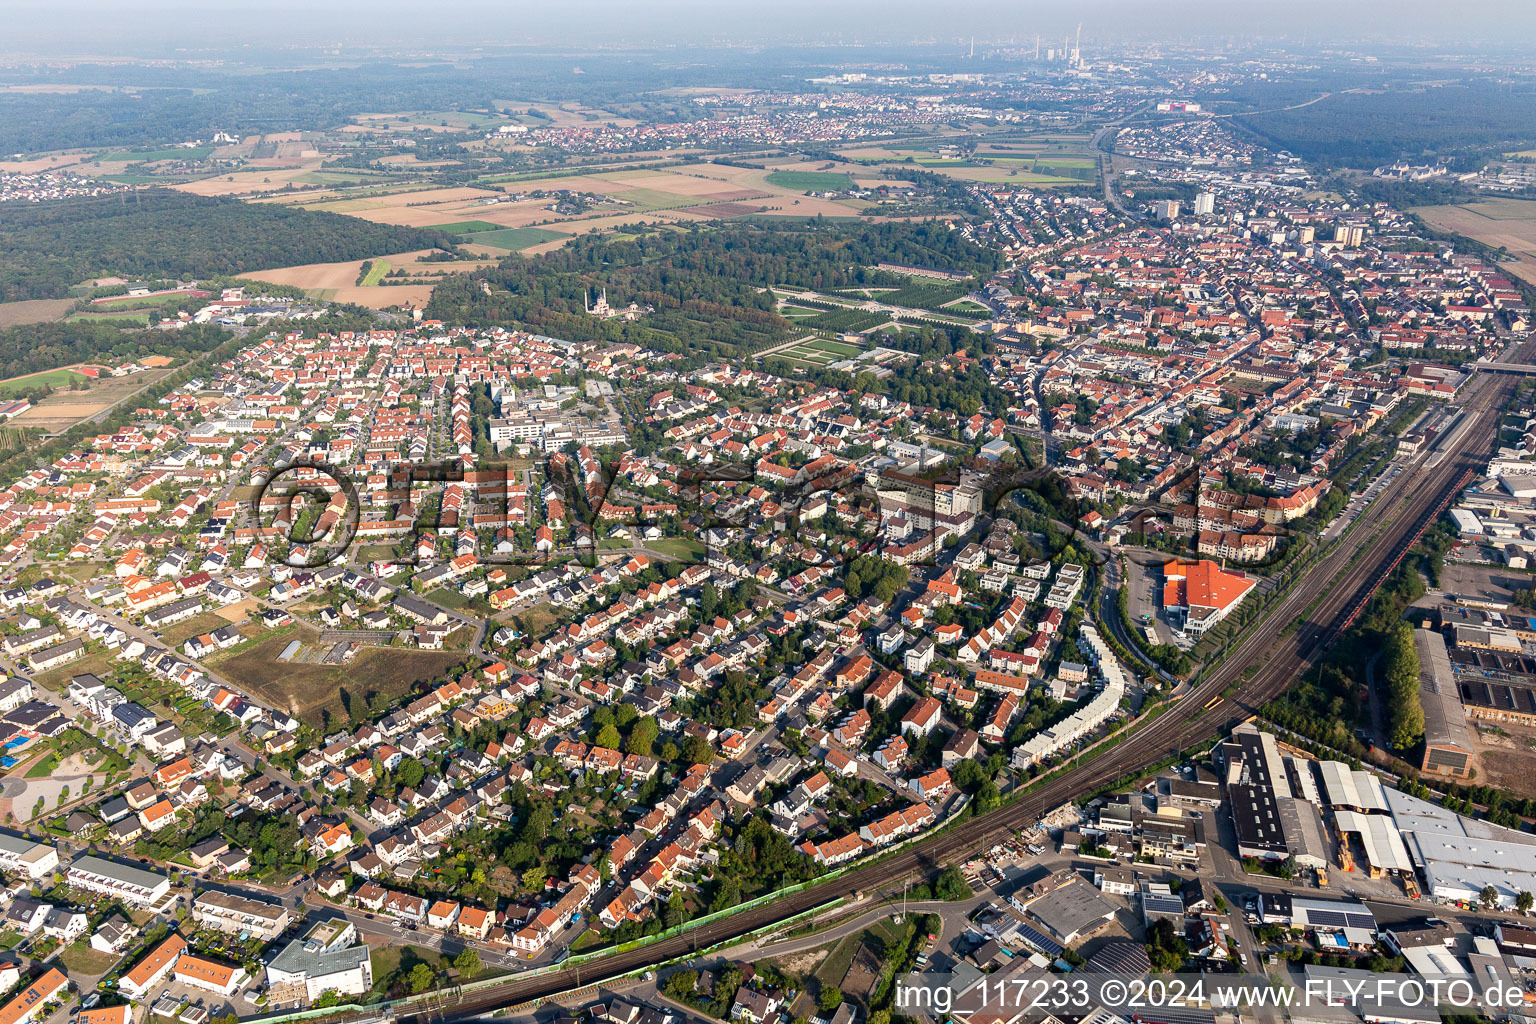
<point x="376" y="272"/>
<point x="465" y="227"/>
<point x="338" y="281"/>
<point x="155" y="155"/>
<point x="33" y="311"/>
<point x="1510" y="223"/>
<point x="810" y="181"/>
<point x="683" y="194"/>
<point x="515" y="239"/>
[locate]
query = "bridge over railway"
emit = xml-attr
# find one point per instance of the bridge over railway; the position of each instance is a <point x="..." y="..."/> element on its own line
<point x="1527" y="369"/>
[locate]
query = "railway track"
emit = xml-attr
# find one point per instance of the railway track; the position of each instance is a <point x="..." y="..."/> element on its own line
<point x="1330" y="594"/>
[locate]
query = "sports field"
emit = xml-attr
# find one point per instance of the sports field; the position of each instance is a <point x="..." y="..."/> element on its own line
<point x="48" y="378"/>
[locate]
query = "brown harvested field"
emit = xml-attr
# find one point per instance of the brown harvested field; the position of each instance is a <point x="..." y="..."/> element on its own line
<point x="33" y="311"/>
<point x="419" y="198"/>
<point x="308" y="690"/>
<point x="263" y="179"/>
<point x="383" y="298"/>
<point x="728" y="209"/>
<point x="1510" y="223"/>
<point x="44" y="163"/>
<point x="338" y="281"/>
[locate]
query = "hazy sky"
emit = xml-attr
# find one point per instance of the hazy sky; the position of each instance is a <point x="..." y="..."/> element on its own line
<point x="166" y="26"/>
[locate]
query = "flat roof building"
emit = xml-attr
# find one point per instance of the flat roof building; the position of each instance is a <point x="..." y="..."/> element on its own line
<point x="133" y="885"/>
<point x="33" y="859"/>
<point x="328" y="958"/>
<point x="228" y="912"/>
<point x="1447" y="740"/>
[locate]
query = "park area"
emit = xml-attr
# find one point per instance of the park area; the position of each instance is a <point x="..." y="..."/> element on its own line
<point x="816" y="352"/>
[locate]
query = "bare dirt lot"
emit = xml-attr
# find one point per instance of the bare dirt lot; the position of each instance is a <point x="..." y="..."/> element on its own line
<point x="309" y="690"/>
<point x="33" y="311"/>
<point x="1507" y="755"/>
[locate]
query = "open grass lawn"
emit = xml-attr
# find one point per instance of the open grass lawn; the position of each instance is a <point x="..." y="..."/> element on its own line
<point x="449" y="598"/>
<point x="48" y="378"/>
<point x="125" y="316"/>
<point x="98" y="664"/>
<point x="678" y="547"/>
<point x="197" y="625"/>
<point x="810" y="181"/>
<point x="467" y="227"/>
<point x="82" y="960"/>
<point x="144" y="301"/>
<point x="43" y="768"/>
<point x="309" y="690"/>
<point x="535" y="621"/>
<point x="513" y="238"/>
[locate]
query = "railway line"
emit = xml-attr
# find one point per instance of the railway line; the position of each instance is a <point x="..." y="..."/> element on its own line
<point x="1325" y="601"/>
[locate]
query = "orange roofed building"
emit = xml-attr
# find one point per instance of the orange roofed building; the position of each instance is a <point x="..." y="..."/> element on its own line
<point x="1202" y="593"/>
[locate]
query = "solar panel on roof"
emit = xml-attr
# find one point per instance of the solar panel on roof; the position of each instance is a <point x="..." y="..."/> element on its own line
<point x="1327" y="918"/>
<point x="1361" y="921"/>
<point x="1042" y="942"/>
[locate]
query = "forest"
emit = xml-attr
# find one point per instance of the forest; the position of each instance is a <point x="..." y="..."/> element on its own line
<point x="33" y="348"/>
<point x="48" y="248"/>
<point x="706" y="284"/>
<point x="1421" y="125"/>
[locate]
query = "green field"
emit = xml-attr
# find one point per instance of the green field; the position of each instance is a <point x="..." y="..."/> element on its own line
<point x="122" y="315"/>
<point x="644" y="200"/>
<point x="143" y="301"/>
<point x="150" y="156"/>
<point x="48" y="378"/>
<point x="513" y="238"/>
<point x="347" y="177"/>
<point x="811" y="181"/>
<point x="467" y="227"/>
<point x="375" y="273"/>
<point x="818" y="352"/>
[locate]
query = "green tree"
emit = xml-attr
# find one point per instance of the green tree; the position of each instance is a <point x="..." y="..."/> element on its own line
<point x="951" y="885"/>
<point x="467" y="963"/>
<point x="608" y="736"/>
<point x="420" y="979"/>
<point x="410" y="772"/>
<point x="1524" y="902"/>
<point x="696" y="750"/>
